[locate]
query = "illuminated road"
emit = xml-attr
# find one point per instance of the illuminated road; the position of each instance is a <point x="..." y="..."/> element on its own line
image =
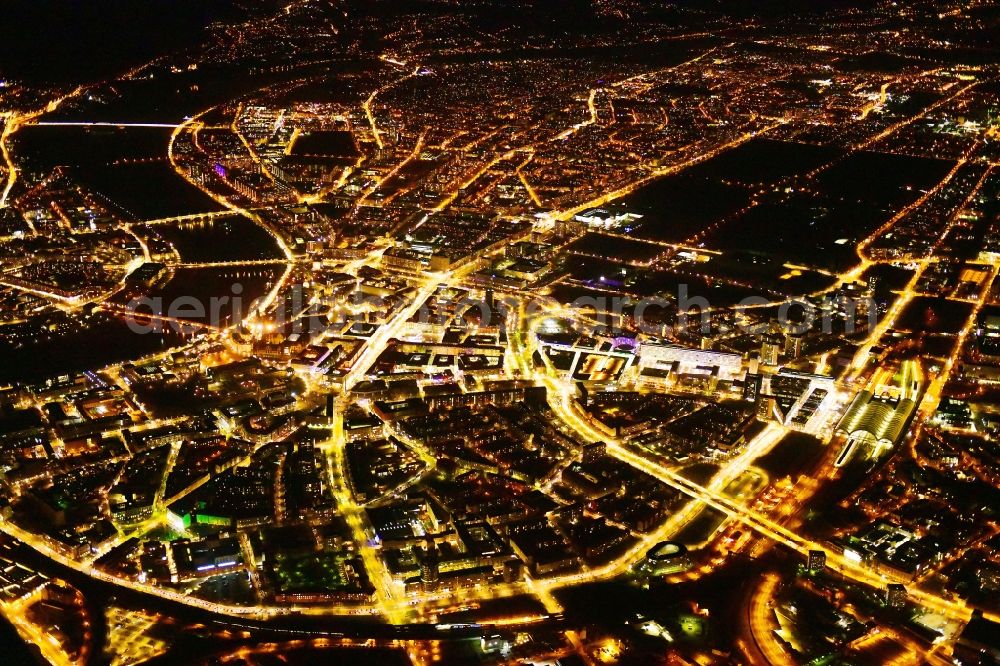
<point x="658" y="173"/>
<point x="379" y="182"/>
<point x="762" y="525"/>
<point x="761" y="622"/>
<point x="366" y="106"/>
<point x="391" y="602"/>
<point x="711" y="495"/>
<point x="194" y="218"/>
<point x="933" y="394"/>
<point x="32" y="633"/>
<point x="191" y="124"/>
<point x="387" y="601"/>
<point x="13" y="122"/>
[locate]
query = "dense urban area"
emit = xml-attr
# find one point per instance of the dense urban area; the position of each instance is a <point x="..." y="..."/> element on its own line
<point x="500" y="331"/>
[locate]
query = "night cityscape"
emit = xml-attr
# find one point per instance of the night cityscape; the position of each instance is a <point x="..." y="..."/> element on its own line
<point x="537" y="332"/>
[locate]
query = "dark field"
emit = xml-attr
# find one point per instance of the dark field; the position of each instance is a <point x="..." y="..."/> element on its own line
<point x="701" y="528"/>
<point x="339" y="143"/>
<point x="933" y="315"/>
<point x="821" y="226"/>
<point x="795" y="454"/>
<point x="680" y="207"/>
<point x="763" y="161"/>
<point x="607" y="275"/>
<point x="615" y="249"/>
<point x="675" y="208"/>
<point x="887" y="277"/>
